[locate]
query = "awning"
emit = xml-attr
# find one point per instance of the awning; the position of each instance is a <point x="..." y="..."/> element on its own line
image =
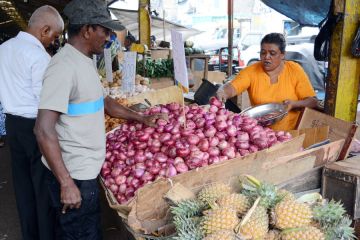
<point x="305" y="12"/>
<point x="129" y="18"/>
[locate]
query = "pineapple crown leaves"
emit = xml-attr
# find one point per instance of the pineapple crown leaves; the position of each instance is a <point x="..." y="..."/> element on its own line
<point x="328" y="214"/>
<point x="187" y="228"/>
<point x="341" y="230"/>
<point x="188" y="208"/>
<point x="253" y="188"/>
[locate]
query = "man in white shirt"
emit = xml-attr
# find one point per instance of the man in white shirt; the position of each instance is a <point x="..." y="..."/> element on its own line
<point x="23" y="60"/>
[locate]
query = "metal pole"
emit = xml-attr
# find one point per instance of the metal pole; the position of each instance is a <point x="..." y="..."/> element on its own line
<point x="230" y="35"/>
<point x="164" y="24"/>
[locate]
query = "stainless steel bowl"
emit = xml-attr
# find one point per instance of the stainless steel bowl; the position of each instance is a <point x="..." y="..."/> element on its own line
<point x="274" y="111"/>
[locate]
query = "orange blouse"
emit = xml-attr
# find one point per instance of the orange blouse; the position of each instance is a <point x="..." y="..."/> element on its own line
<point x="293" y="84"/>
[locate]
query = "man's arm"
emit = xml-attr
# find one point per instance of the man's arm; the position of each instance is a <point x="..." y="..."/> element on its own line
<point x="47" y="138"/>
<point x="116" y="110"/>
<point x="310" y="102"/>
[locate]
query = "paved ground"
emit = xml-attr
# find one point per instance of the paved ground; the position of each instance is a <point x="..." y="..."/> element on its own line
<point x="9" y="222"/>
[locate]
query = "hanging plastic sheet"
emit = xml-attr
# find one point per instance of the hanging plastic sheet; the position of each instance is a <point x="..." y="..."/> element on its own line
<point x="305" y="12"/>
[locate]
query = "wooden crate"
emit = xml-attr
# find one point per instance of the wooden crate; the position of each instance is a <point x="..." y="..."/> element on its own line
<point x="341" y="182"/>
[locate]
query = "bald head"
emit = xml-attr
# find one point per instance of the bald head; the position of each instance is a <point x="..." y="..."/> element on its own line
<point x="45" y="24"/>
<point x="46" y="15"/>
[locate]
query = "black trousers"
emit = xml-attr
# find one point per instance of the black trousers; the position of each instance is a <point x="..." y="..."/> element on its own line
<point x="37" y="219"/>
<point x="77" y="224"/>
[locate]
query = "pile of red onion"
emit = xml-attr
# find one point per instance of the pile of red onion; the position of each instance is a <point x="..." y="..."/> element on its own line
<point x="137" y="154"/>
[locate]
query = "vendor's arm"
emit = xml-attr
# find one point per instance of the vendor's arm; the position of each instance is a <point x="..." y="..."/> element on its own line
<point x="225" y="92"/>
<point x="236" y="86"/>
<point x="310" y="102"/>
<point x="303" y="89"/>
<point x="47" y="138"/>
<point x="116" y="110"/>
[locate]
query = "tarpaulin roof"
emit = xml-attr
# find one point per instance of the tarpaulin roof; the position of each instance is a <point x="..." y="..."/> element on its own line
<point x="305" y="12"/>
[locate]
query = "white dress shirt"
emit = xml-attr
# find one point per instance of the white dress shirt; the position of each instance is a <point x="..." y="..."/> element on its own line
<point x="23" y="61"/>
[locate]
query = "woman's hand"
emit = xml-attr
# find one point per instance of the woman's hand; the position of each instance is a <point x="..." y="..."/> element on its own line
<point x="290" y="105"/>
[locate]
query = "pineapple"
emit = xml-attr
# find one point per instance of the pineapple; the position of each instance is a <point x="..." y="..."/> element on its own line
<point x="306" y="233"/>
<point x="219" y="219"/>
<point x="273" y="235"/>
<point x="234" y="200"/>
<point x="256" y="227"/>
<point x="222" y="235"/>
<point x="211" y="193"/>
<point x="285" y="195"/>
<point x="291" y="214"/>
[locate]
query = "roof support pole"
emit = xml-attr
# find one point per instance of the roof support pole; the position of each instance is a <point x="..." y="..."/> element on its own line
<point x="230" y="35"/>
<point x="344" y="70"/>
<point x="144" y="22"/>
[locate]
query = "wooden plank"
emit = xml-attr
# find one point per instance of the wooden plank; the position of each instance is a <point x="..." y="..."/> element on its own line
<point x="305" y="182"/>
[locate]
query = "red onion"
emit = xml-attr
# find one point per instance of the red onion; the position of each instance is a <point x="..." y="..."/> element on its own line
<point x="213" y="109"/>
<point x="213" y="141"/>
<point x="164" y="110"/>
<point x="115" y="172"/>
<point x="173" y="106"/>
<point x="178" y="160"/>
<point x="181" y="167"/>
<point x="109" y="181"/>
<point x="149" y="130"/>
<point x="189" y="115"/>
<point x="147" y="177"/>
<point x="171" y="171"/>
<point x="200" y="122"/>
<point x="253" y="148"/>
<point x="220" y="118"/>
<point x="194" y="162"/>
<point x="165" y="137"/>
<point x="187" y="132"/>
<point x="242" y="136"/>
<point x="220" y="135"/>
<point x="203" y="145"/>
<point x="129" y="193"/>
<point x="135" y="183"/>
<point x="168" y="128"/>
<point x="216" y="102"/>
<point x="114" y="188"/>
<point x="231" y="131"/>
<point x="223" y="158"/>
<point x="214" y="151"/>
<point x="220" y="125"/>
<point x="105" y="172"/>
<point x="183" y="152"/>
<point x="160" y="129"/>
<point x="193" y="139"/>
<point x="242" y="145"/>
<point x="200" y="133"/>
<point x="260" y="143"/>
<point x="214" y="159"/>
<point x="107" y="156"/>
<point x="223" y="144"/>
<point x="120" y="179"/>
<point x="210" y="131"/>
<point x="160" y="157"/>
<point x="229" y="152"/>
<point x="169" y="142"/>
<point x="122" y="188"/>
<point x="140" y="157"/>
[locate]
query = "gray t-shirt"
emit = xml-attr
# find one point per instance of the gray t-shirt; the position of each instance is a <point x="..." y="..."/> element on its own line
<point x="72" y="87"/>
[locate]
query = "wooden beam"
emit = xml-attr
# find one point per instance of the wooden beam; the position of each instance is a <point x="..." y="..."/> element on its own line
<point x="344" y="69"/>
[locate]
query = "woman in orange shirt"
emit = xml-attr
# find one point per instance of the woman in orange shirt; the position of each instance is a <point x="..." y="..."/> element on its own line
<point x="273" y="79"/>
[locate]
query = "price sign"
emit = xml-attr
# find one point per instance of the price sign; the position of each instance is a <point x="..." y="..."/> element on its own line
<point x="128" y="72"/>
<point x="108" y="65"/>
<point x="178" y="53"/>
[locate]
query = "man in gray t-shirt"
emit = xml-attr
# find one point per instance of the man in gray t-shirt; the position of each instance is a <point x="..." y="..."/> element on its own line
<point x="70" y="124"/>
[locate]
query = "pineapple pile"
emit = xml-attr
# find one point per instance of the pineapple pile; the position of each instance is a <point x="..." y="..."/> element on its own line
<point x="259" y="211"/>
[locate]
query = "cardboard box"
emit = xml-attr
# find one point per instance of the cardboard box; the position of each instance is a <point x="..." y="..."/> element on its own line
<point x="159" y="83"/>
<point x="338" y="129"/>
<point x="312" y="135"/>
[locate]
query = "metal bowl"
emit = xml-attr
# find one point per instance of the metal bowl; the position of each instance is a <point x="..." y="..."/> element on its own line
<point x="266" y="114"/>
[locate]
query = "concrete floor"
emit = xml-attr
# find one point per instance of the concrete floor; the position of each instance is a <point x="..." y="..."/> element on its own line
<point x="9" y="222"/>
